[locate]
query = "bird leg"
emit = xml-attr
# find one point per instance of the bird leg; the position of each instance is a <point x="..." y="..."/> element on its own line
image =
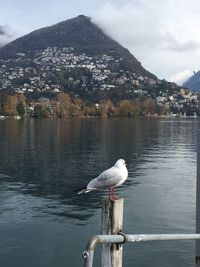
<point x="112" y="196"/>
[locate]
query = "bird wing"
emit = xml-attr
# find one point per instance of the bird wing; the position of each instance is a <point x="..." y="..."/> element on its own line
<point x="108" y="178"/>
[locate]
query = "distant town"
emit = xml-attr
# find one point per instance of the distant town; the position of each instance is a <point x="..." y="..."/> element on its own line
<point x="63" y="83"/>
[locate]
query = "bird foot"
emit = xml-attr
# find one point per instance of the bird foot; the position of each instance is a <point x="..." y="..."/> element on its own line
<point x="113" y="198"/>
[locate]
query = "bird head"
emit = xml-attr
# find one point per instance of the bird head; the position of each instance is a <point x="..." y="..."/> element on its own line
<point x="120" y="163"/>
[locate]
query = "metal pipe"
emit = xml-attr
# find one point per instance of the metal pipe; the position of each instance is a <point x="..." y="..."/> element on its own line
<point x="161" y="237"/>
<point x="97" y="239"/>
<point x="93" y="242"/>
<point x="121" y="238"/>
<point x="88" y="258"/>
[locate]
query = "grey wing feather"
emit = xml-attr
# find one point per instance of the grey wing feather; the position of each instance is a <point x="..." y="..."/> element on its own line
<point x="108" y="178"/>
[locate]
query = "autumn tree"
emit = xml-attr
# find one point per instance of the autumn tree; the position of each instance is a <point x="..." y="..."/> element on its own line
<point x="150" y="107"/>
<point x="43" y="108"/>
<point x="106" y="108"/>
<point x="137" y="108"/>
<point x="78" y="108"/>
<point x="55" y="108"/>
<point x="10" y="106"/>
<point x="130" y="108"/>
<point x="64" y="104"/>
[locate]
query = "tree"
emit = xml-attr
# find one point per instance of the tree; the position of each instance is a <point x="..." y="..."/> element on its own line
<point x="130" y="108"/>
<point x="10" y="106"/>
<point x="64" y="104"/>
<point x="150" y="107"/>
<point x="106" y="108"/>
<point x="38" y="111"/>
<point x="21" y="109"/>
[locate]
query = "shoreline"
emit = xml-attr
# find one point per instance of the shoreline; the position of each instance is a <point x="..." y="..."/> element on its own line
<point x="17" y="117"/>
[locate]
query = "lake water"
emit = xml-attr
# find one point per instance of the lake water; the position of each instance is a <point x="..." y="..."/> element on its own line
<point x="44" y="223"/>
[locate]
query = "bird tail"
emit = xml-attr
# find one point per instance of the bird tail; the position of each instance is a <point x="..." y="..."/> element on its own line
<point x="82" y="190"/>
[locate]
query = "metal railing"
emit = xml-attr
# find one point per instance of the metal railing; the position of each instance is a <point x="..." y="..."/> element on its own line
<point x="122" y="238"/>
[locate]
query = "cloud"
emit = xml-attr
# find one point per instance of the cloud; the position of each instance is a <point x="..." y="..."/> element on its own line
<point x="181" y="77"/>
<point x="171" y="43"/>
<point x="162" y="35"/>
<point x="2" y="30"/>
<point x="6" y="35"/>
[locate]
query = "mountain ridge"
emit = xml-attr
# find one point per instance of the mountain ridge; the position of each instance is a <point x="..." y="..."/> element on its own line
<point x="78" y="32"/>
<point x="193" y="82"/>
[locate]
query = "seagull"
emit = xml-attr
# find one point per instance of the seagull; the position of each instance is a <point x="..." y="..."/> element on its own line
<point x="110" y="178"/>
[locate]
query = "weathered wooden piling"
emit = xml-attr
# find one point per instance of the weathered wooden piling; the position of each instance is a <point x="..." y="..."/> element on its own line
<point x="112" y="222"/>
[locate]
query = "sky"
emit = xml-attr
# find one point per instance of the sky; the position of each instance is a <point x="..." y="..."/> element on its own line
<point x="162" y="34"/>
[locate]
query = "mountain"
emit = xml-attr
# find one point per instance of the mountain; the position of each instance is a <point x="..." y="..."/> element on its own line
<point x="193" y="82"/>
<point x="79" y="33"/>
<point x="73" y="67"/>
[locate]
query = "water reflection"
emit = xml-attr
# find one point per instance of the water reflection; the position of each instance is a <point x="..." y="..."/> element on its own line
<point x="43" y="162"/>
<point x="47" y="160"/>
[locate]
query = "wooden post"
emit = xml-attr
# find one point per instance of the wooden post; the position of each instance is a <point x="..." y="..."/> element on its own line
<point x="112" y="222"/>
<point x="106" y="230"/>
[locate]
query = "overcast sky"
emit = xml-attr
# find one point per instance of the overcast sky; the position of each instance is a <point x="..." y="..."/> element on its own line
<point x="162" y="34"/>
